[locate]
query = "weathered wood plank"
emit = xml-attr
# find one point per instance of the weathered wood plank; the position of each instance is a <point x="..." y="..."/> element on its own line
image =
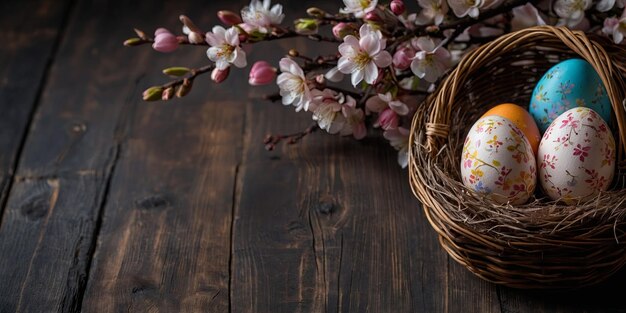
<point x="164" y="243"/>
<point x="165" y="239"/>
<point x="72" y="147"/>
<point x="45" y="241"/>
<point x="467" y="293"/>
<point x="29" y="31"/>
<point x="329" y="225"/>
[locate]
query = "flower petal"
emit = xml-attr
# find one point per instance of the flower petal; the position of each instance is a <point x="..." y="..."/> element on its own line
<point x="426" y="44"/>
<point x="383" y="59"/>
<point x="284" y="64"/>
<point x="365" y="30"/>
<point x="357" y="77"/>
<point x="399" y="107"/>
<point x="375" y="104"/>
<point x="370" y="44"/>
<point x="239" y="58"/>
<point x="345" y="65"/>
<point x="348" y="50"/>
<point x="232" y="36"/>
<point x="220" y="33"/>
<point x="334" y="75"/>
<point x="212" y="53"/>
<point x="371" y="73"/>
<point x="417" y="68"/>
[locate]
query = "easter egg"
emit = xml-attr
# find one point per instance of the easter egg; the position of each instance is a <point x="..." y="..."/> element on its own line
<point x="576" y="158"/>
<point x="569" y="84"/>
<point x="521" y="118"/>
<point x="498" y="161"/>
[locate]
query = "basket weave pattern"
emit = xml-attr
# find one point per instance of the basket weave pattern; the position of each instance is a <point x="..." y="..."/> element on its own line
<point x="541" y="244"/>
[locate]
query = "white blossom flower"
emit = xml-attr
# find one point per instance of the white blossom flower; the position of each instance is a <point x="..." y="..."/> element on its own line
<point x="615" y="27"/>
<point x="571" y="12"/>
<point x="433" y="11"/>
<point x="526" y="16"/>
<point x="260" y="16"/>
<point x="293" y="85"/>
<point x="326" y="107"/>
<point x="399" y="140"/>
<point x="432" y="61"/>
<point x="359" y="7"/>
<point x="225" y="49"/>
<point x="362" y="57"/>
<point x="472" y="8"/>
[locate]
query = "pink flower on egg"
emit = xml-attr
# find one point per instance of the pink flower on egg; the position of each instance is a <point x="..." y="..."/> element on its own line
<point x="581" y="152"/>
<point x="467" y="163"/>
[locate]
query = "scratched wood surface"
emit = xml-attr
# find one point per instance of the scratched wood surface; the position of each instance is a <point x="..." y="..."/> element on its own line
<point x="109" y="204"/>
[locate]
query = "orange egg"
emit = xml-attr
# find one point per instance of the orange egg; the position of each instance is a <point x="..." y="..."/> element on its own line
<point x="521" y="118"/>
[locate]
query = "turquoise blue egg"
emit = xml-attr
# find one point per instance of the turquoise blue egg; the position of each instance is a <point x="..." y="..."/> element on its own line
<point x="569" y="84"/>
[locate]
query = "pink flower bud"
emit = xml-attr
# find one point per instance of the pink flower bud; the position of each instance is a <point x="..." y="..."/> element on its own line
<point x="219" y="76"/>
<point x="195" y="37"/>
<point x="403" y="57"/>
<point x="164" y="41"/>
<point x="320" y="79"/>
<point x="344" y="29"/>
<point x="372" y="17"/>
<point x="261" y="73"/>
<point x="229" y="18"/>
<point x="161" y="30"/>
<point x="397" y="7"/>
<point x="387" y="119"/>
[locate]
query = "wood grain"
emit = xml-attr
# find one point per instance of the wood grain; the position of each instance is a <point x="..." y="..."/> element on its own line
<point x="30" y="32"/>
<point x="29" y="42"/>
<point x="118" y="205"/>
<point x="70" y="151"/>
<point x="46" y="242"/>
<point x="311" y="237"/>
<point x="164" y="244"/>
<point x="165" y="239"/>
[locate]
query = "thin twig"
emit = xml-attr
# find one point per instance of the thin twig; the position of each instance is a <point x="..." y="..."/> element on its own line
<point x="272" y="140"/>
<point x="193" y="74"/>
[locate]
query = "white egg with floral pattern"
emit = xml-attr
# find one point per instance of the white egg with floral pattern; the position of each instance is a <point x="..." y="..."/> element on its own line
<point x="498" y="161"/>
<point x="576" y="157"/>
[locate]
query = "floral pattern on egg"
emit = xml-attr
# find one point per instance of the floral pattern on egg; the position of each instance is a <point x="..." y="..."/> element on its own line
<point x="576" y="158"/>
<point x="497" y="161"/>
<point x="569" y="84"/>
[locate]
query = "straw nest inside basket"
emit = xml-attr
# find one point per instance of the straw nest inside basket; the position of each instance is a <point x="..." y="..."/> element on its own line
<point x="542" y="244"/>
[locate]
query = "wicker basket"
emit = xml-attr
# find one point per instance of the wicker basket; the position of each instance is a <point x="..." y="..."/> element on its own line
<point x="542" y="244"/>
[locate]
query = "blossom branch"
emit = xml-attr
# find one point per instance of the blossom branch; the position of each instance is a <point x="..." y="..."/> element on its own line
<point x="391" y="57"/>
<point x="179" y="87"/>
<point x="272" y="140"/>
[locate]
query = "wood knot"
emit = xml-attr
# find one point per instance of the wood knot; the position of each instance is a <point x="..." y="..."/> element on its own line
<point x="79" y="127"/>
<point x="36" y="207"/>
<point x="327" y="205"/>
<point x="153" y="202"/>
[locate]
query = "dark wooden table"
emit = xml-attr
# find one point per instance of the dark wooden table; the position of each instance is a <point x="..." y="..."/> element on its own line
<point x="111" y="204"/>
